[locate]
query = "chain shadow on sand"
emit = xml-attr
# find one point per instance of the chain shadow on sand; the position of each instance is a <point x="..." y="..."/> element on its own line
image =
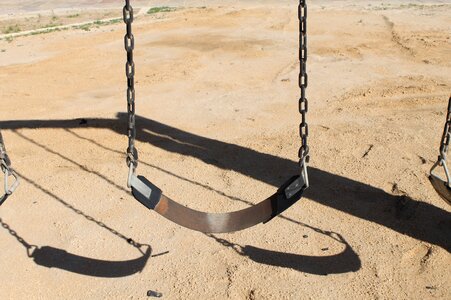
<point x="402" y="214"/>
<point x="51" y="257"/>
<point x="343" y="262"/>
<point x="346" y="261"/>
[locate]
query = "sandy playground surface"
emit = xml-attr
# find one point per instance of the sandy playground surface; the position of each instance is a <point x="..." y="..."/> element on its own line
<point x="217" y="103"/>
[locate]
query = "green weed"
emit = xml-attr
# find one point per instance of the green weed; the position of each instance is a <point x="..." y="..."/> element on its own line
<point x="160" y="9"/>
<point x="11" y="29"/>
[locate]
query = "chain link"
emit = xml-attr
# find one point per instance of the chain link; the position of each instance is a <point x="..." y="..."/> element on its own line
<point x="303" y="83"/>
<point x="129" y="42"/>
<point x="444" y="146"/>
<point x="3" y="155"/>
<point x="8" y="171"/>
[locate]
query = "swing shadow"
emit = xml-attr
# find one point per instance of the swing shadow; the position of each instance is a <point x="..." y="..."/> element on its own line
<point x="343" y="262"/>
<point x="346" y="261"/>
<point x="57" y="258"/>
<point x="402" y="214"/>
<point x="51" y="257"/>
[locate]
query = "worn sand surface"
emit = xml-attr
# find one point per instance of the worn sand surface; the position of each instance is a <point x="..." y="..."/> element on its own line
<point x="217" y="103"/>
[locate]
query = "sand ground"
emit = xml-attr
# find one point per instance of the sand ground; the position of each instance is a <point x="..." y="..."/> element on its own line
<point x="217" y="103"/>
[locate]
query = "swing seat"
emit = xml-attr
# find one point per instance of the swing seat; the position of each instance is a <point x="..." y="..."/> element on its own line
<point x="441" y="188"/>
<point x="152" y="197"/>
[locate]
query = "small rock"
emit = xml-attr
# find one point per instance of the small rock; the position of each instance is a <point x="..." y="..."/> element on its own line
<point x="155" y="294"/>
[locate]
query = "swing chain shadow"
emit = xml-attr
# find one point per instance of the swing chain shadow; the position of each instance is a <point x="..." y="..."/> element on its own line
<point x="29" y="248"/>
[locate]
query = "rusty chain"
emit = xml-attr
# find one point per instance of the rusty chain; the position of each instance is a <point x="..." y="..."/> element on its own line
<point x="132" y="153"/>
<point x="129" y="42"/>
<point x="303" y="81"/>
<point x="444" y="145"/>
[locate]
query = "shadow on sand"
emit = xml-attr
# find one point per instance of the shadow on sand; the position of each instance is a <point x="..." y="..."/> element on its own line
<point x="51" y="257"/>
<point x="402" y="214"/>
<point x="343" y="262"/>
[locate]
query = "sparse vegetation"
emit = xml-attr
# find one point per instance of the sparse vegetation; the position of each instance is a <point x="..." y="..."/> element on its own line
<point x="23" y="25"/>
<point x="51" y="25"/>
<point x="97" y="23"/>
<point x="11" y="29"/>
<point x="109" y="22"/>
<point x="388" y="6"/>
<point x="45" y="31"/>
<point x="43" y="24"/>
<point x="160" y="9"/>
<point x="85" y="27"/>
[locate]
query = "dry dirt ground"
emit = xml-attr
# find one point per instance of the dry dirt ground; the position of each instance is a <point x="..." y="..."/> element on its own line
<point x="217" y="103"/>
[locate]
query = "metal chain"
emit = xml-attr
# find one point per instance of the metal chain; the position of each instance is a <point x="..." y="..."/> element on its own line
<point x="3" y="155"/>
<point x="132" y="153"/>
<point x="5" y="165"/>
<point x="303" y="83"/>
<point x="444" y="146"/>
<point x="446" y="134"/>
<point x="129" y="41"/>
